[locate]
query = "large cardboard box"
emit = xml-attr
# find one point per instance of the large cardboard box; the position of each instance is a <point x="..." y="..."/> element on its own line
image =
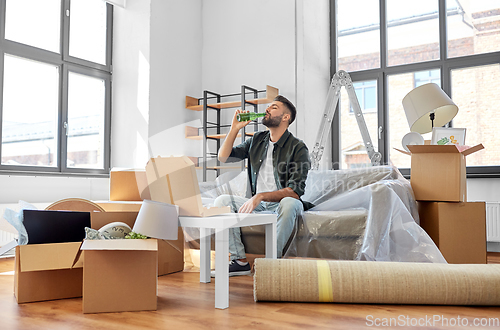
<point x="458" y="229"/>
<point x="128" y="185"/>
<point x="438" y="173"/>
<point x="173" y="180"/>
<point x="170" y="253"/>
<point x="119" y="275"/>
<point x="47" y="272"/>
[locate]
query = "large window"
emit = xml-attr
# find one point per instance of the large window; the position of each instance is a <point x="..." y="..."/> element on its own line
<point x="55" y="86"/>
<point x="392" y="46"/>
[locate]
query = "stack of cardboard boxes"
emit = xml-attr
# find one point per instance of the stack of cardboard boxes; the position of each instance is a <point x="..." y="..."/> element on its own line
<point x="438" y="180"/>
<point x="127" y="190"/>
<point x="90" y="269"/>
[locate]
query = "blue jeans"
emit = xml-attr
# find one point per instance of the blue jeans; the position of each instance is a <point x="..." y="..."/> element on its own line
<point x="287" y="210"/>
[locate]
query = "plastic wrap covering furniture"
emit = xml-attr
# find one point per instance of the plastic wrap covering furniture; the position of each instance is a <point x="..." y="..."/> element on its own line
<point x="360" y="214"/>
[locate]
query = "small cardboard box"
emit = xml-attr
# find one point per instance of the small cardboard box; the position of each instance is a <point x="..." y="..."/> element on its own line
<point x="170" y="253"/>
<point x="438" y="173"/>
<point x="119" y="275"/>
<point x="458" y="229"/>
<point x="47" y="272"/>
<point x="173" y="180"/>
<point x="128" y="185"/>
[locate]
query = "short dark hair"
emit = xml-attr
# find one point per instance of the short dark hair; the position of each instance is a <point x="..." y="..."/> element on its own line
<point x="289" y="105"/>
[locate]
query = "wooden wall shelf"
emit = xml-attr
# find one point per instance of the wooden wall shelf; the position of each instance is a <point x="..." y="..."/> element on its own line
<point x="192" y="134"/>
<point x="193" y="103"/>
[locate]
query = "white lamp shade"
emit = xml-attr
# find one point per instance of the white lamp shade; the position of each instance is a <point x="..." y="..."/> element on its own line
<point x="157" y="220"/>
<point x="423" y="100"/>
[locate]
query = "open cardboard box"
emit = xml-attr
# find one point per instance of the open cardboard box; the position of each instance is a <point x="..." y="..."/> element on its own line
<point x="170" y="253"/>
<point x="458" y="229"/>
<point x="438" y="173"/>
<point x="47" y="272"/>
<point x="128" y="185"/>
<point x="120" y="275"/>
<point x="173" y="180"/>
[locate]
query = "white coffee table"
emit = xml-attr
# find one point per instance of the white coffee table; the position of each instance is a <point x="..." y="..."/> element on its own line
<point x="221" y="224"/>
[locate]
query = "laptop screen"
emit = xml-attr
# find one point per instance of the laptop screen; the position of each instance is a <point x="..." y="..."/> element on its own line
<point x="45" y="226"/>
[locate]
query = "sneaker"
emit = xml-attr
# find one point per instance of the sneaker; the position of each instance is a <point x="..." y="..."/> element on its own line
<point x="235" y="269"/>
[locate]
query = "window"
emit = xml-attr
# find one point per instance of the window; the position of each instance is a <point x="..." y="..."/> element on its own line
<point x="366" y="92"/>
<point x="353" y="150"/>
<point x="455" y="44"/>
<point x="55" y="86"/>
<point x="426" y="77"/>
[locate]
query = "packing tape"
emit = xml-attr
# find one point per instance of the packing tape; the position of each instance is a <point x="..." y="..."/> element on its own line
<point x="325" y="292"/>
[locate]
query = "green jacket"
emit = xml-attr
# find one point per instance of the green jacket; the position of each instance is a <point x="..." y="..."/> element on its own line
<point x="290" y="160"/>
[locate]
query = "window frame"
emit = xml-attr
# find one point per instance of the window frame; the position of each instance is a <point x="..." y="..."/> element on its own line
<point x="65" y="63"/>
<point x="445" y="64"/>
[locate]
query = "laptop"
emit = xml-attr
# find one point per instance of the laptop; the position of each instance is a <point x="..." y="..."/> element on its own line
<point x="45" y="226"/>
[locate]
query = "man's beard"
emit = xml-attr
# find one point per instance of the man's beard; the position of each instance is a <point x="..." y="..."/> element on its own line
<point x="272" y="121"/>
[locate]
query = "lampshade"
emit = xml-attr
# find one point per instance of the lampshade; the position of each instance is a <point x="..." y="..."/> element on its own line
<point x="157" y="220"/>
<point x="420" y="102"/>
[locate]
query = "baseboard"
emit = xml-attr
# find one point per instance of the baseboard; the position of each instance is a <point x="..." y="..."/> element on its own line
<point x="493" y="246"/>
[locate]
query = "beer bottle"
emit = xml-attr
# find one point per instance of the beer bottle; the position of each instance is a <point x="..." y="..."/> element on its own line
<point x="246" y="116"/>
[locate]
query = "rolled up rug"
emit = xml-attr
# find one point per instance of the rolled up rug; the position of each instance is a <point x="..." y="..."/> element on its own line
<point x="369" y="282"/>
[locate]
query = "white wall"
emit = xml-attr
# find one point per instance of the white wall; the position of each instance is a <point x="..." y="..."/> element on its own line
<point x="39" y="189"/>
<point x="487" y="190"/>
<point x="249" y="43"/>
<point x="313" y="69"/>
<point x="176" y="47"/>
<point x="131" y="81"/>
<point x="280" y="43"/>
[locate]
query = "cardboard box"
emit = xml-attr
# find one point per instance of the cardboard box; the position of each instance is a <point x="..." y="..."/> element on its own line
<point x="128" y="185"/>
<point x="438" y="173"/>
<point x="170" y="253"/>
<point x="458" y="229"/>
<point x="47" y="272"/>
<point x="119" y="275"/>
<point x="173" y="180"/>
<point x="115" y="206"/>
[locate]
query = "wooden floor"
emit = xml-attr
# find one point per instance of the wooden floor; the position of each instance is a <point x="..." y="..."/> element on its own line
<point x="184" y="303"/>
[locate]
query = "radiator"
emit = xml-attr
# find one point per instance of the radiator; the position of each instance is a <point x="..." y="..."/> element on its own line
<point x="6" y="237"/>
<point x="493" y="221"/>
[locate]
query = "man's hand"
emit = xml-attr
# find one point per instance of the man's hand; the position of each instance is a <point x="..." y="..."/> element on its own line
<point x="238" y="125"/>
<point x="271" y="196"/>
<point x="227" y="145"/>
<point x="250" y="204"/>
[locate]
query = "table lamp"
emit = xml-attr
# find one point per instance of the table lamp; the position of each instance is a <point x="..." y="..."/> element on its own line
<point x="427" y="106"/>
<point x="157" y="220"/>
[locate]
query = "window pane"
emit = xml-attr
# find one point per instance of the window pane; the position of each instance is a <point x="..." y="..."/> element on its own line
<point x="370" y="98"/>
<point x="86" y="106"/>
<point x="358" y="27"/>
<point x="399" y="86"/>
<point x="34" y="22"/>
<point x="425" y="77"/>
<point x="412" y="31"/>
<point x="353" y="149"/>
<point x="30" y="109"/>
<point x="473" y="27"/>
<point x="476" y="93"/>
<point x="87" y="31"/>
